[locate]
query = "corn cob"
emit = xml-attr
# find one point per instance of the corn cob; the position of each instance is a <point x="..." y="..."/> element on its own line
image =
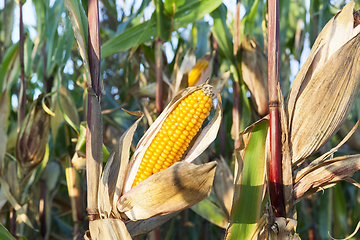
<point x="175" y="135"/>
<point x="195" y="73"/>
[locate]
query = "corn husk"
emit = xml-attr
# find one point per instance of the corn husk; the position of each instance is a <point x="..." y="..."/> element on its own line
<point x="205" y="137"/>
<point x="108" y="228"/>
<point x="254" y="71"/>
<point x="322" y="173"/>
<point x="326" y="87"/>
<point x="33" y="136"/>
<point x="187" y="64"/>
<point x="325" y="175"/>
<point x="223" y="185"/>
<point x="177" y="188"/>
<point x="205" y="73"/>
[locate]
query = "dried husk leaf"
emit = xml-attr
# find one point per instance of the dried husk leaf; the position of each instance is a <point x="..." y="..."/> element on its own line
<point x="33" y="136"/>
<point x="327" y="74"/>
<point x="219" y="82"/>
<point x="206" y="136"/>
<point x="326" y="155"/>
<point x="108" y="228"/>
<point x="254" y="70"/>
<point x="176" y="188"/>
<point x="287" y="174"/>
<point x="320" y="50"/>
<point x="187" y="64"/>
<point x="138" y="229"/>
<point x="223" y="185"/>
<point x="112" y="180"/>
<point x="325" y="102"/>
<point x="325" y="174"/>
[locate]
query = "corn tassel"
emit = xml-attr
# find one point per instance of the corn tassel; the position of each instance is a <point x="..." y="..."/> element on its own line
<point x="175" y="135"/>
<point x="195" y="73"/>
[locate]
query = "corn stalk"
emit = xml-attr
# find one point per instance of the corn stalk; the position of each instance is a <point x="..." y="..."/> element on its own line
<point x="275" y="166"/>
<point x="94" y="134"/>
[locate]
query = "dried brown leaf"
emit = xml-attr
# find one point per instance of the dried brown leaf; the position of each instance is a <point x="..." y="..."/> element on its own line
<point x="325" y="102"/>
<point x="254" y="71"/>
<point x="108" y="228"/>
<point x="171" y="190"/>
<point x="112" y="179"/>
<point x="325" y="175"/>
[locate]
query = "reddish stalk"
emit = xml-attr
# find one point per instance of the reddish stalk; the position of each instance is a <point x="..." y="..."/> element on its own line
<point x="158" y="76"/>
<point x="275" y="167"/>
<point x="22" y="93"/>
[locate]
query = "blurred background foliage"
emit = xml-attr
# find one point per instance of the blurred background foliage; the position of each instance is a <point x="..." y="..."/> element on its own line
<point x="128" y="29"/>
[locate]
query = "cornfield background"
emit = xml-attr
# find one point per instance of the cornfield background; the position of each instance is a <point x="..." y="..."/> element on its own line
<point x="47" y="188"/>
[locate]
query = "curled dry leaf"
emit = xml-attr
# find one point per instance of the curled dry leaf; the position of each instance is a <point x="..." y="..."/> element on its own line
<point x="254" y="69"/>
<point x="187" y="64"/>
<point x="224" y="185"/>
<point x="108" y="228"/>
<point x="176" y="188"/>
<point x="112" y="179"/>
<point x="325" y="174"/>
<point x="326" y="87"/>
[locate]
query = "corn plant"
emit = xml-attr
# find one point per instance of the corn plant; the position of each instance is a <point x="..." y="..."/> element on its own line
<point x="179" y="119"/>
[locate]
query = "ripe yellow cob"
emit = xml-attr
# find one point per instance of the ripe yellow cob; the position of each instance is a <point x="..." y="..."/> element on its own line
<point x="175" y="135"/>
<point x="195" y="73"/>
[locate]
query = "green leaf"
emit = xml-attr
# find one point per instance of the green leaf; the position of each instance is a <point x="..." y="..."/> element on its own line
<point x="250" y="175"/>
<point x="9" y="66"/>
<point x="190" y="12"/>
<point x="222" y="32"/>
<point x="163" y="23"/>
<point x="28" y="47"/>
<point x="210" y="210"/>
<point x="202" y="44"/>
<point x="4" y="234"/>
<point x="245" y="107"/>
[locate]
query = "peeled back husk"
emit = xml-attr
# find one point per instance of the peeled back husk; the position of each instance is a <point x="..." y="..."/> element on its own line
<point x="326" y="87"/>
<point x="176" y="188"/>
<point x="325" y="102"/>
<point x="325" y="175"/>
